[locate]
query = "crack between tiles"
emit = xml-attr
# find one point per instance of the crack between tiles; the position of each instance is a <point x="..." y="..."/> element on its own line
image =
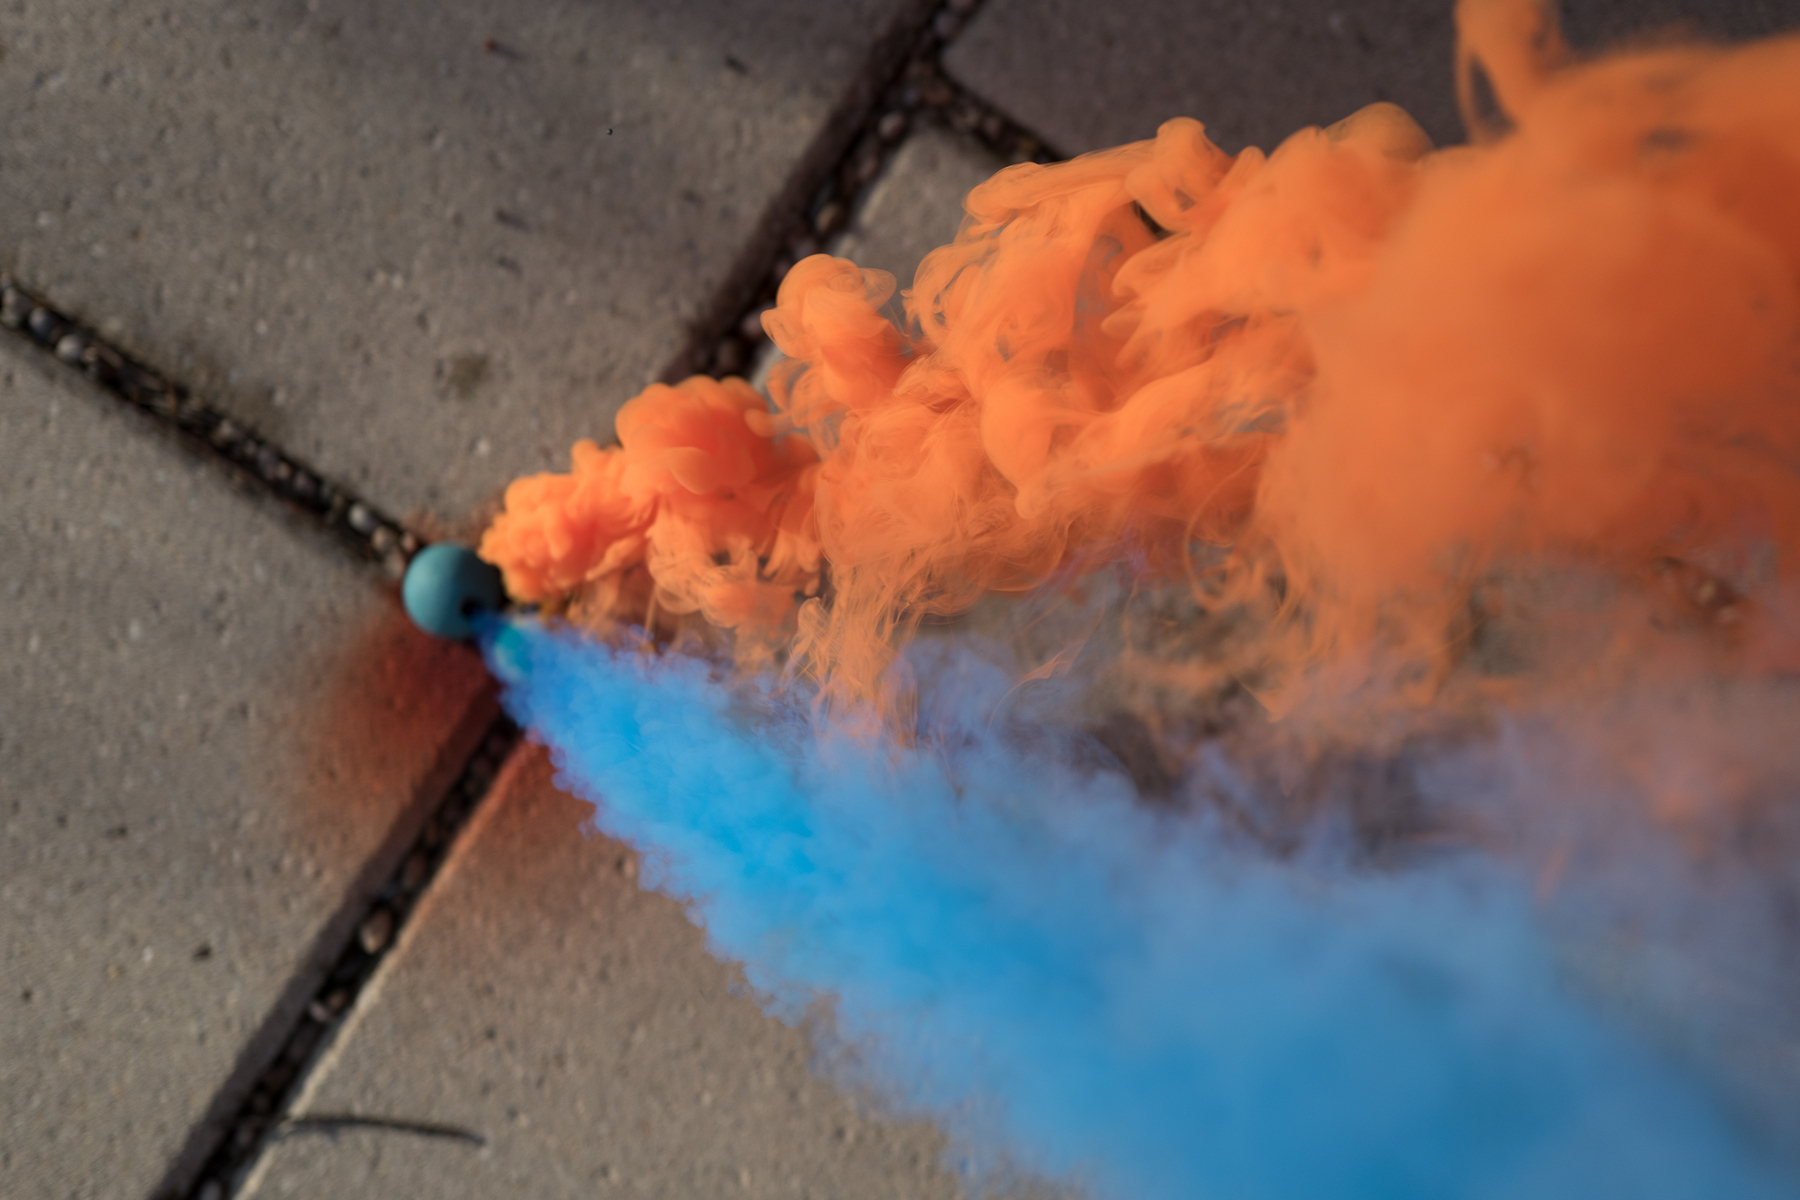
<point x="231" y="1147"/>
<point x="903" y="84"/>
<point x="353" y="521"/>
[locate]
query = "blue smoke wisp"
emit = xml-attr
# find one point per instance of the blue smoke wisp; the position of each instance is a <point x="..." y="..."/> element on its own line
<point x="1121" y="1000"/>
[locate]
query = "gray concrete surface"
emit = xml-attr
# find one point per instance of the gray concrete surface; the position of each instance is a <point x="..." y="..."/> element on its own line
<point x="203" y="755"/>
<point x="1086" y="76"/>
<point x="917" y="204"/>
<point x="545" y="1003"/>
<point x="425" y="244"/>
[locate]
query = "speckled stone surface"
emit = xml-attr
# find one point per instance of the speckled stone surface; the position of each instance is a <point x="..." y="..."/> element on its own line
<point x="1086" y="76"/>
<point x="423" y="244"/>
<point x="213" y="732"/>
<point x="544" y="1003"/>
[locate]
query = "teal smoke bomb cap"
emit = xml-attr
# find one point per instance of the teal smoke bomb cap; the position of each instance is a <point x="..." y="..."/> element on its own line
<point x="446" y="587"/>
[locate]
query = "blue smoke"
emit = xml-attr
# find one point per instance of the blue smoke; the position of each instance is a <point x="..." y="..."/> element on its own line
<point x="1109" y="993"/>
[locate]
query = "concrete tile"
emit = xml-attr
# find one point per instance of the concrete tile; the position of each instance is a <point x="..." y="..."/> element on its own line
<point x="1085" y="76"/>
<point x="545" y="1003"/>
<point x="214" y="733"/>
<point x="917" y="204"/>
<point x="425" y="244"/>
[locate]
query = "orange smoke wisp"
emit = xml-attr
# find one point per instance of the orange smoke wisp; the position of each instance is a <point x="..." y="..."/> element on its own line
<point x="719" y="514"/>
<point x="1099" y="365"/>
<point x="1366" y="369"/>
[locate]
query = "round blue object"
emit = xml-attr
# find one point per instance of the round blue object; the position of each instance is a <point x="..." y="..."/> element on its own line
<point x="446" y="586"/>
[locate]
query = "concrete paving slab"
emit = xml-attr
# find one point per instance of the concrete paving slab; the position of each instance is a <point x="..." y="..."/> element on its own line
<point x="1086" y="76"/>
<point x="541" y="1002"/>
<point x="424" y="244"/>
<point x="214" y="734"/>
<point x="917" y="204"/>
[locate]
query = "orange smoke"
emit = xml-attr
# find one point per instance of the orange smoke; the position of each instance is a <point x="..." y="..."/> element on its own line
<point x="719" y="515"/>
<point x="1368" y="371"/>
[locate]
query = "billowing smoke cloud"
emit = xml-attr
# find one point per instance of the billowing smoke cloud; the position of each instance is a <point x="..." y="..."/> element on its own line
<point x="1119" y="995"/>
<point x="1386" y="784"/>
<point x="1372" y="372"/>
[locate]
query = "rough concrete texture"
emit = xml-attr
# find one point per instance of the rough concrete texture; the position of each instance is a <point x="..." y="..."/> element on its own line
<point x="211" y="734"/>
<point x="423" y="244"/>
<point x="1085" y="76"/>
<point x="544" y="1003"/>
<point x="917" y="205"/>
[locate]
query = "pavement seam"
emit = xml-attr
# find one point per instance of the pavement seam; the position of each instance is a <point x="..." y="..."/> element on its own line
<point x="294" y="1117"/>
<point x="352" y="521"/>
<point x="835" y="176"/>
<point x="265" y="1111"/>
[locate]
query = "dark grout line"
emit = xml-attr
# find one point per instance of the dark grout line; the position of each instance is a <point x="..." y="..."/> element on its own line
<point x="836" y="173"/>
<point x="368" y="532"/>
<point x="261" y="1118"/>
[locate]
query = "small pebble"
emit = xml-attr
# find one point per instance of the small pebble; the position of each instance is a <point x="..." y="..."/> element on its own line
<point x="43" y="324"/>
<point x="70" y="346"/>
<point x="829" y="218"/>
<point x="14" y="306"/>
<point x="891" y="126"/>
<point x="324" y="1008"/>
<point x="103" y="361"/>
<point x="361" y="519"/>
<point x="303" y="486"/>
<point x="376" y="929"/>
